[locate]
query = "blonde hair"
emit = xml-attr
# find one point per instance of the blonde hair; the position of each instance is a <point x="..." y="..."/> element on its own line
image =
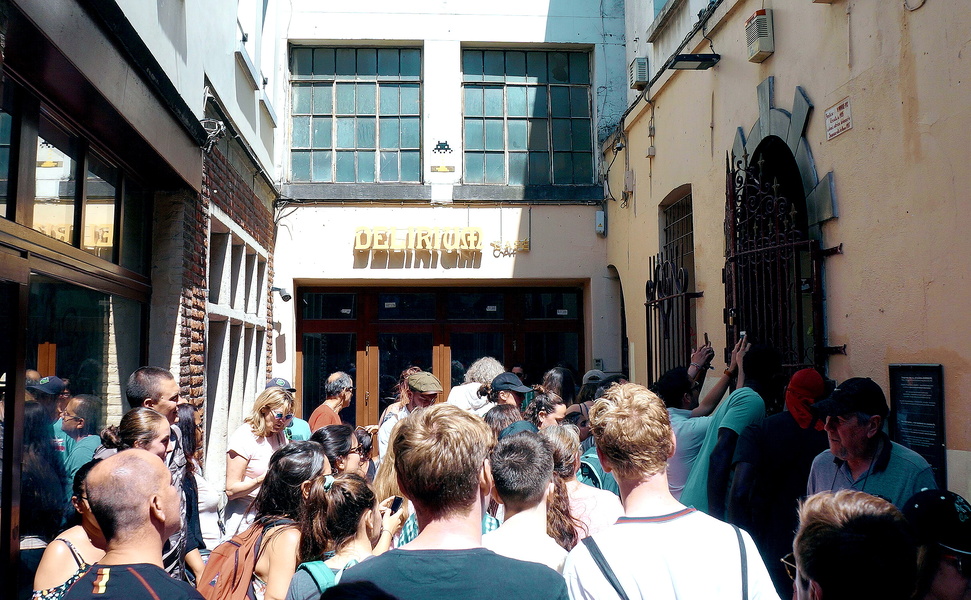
<point x="269" y="399"/>
<point x="633" y="430"/>
<point x="386" y="478"/>
<point x="439" y="453"/>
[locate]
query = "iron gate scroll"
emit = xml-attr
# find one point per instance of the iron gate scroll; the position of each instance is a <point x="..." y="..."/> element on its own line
<point x="773" y="271"/>
<point x="669" y="323"/>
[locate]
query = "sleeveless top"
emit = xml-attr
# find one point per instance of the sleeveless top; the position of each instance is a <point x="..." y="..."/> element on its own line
<point x="56" y="593"/>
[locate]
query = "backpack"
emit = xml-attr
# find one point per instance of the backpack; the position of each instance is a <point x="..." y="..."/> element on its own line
<point x="229" y="572"/>
<point x="591" y="472"/>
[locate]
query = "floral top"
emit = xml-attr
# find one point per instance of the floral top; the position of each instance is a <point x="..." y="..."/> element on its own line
<point x="56" y="593"/>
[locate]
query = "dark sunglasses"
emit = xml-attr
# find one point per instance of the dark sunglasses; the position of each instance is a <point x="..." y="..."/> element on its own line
<point x="963" y="564"/>
<point x="789" y="561"/>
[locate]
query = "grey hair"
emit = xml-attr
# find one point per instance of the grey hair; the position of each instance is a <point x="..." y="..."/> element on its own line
<point x="484" y="370"/>
<point x="337" y="385"/>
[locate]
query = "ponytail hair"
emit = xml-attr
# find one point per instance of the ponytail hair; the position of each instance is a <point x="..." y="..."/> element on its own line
<point x="565" y="444"/>
<point x="330" y="514"/>
<point x="138" y="428"/>
<point x="560" y="524"/>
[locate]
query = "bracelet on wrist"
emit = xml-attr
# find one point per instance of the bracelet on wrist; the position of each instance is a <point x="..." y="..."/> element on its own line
<point x="694" y="364"/>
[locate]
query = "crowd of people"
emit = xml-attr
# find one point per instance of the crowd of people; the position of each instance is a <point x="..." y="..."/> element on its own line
<point x="577" y="487"/>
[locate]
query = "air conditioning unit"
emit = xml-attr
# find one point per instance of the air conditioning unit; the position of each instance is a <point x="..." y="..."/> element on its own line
<point x="638" y="75"/>
<point x="758" y="36"/>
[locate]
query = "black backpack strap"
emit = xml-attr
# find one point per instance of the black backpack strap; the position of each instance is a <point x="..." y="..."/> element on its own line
<point x="598" y="558"/>
<point x="741" y="550"/>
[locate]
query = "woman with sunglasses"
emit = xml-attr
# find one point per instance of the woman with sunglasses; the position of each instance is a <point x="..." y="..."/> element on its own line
<point x="249" y="450"/>
<point x="343" y="449"/>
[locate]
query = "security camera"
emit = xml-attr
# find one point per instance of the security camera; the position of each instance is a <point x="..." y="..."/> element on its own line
<point x="284" y="294"/>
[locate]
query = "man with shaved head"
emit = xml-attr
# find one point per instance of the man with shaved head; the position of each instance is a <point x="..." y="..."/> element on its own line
<point x="137" y="507"/>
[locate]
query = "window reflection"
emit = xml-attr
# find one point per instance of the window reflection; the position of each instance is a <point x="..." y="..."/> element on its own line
<point x="98" y="232"/>
<point x="56" y="184"/>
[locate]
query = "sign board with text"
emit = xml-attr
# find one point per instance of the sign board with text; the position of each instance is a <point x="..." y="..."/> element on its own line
<point x="839" y="118"/>
<point x="917" y="413"/>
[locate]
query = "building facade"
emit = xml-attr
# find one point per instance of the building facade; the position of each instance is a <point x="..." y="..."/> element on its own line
<point x="811" y="199"/>
<point x="440" y="191"/>
<point x="136" y="222"/>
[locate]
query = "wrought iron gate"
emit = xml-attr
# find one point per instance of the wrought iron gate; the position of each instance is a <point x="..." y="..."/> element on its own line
<point x="668" y="314"/>
<point x="773" y="271"/>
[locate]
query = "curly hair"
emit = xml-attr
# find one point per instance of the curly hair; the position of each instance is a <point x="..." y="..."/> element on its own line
<point x="484" y="370"/>
<point x="633" y="430"/>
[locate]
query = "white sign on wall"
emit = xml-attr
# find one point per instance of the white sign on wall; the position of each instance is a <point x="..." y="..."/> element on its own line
<point x="838" y="118"/>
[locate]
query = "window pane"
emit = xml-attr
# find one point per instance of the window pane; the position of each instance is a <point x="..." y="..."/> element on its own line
<point x="388" y="62"/>
<point x="562" y="167"/>
<point x="324" y="64"/>
<point x="366" y="98"/>
<point x="493" y="101"/>
<point x="302" y="98"/>
<point x="388" y="135"/>
<point x="345" y="132"/>
<point x="367" y="62"/>
<point x="323" y="99"/>
<point x="472" y="65"/>
<point x="324" y="353"/>
<point x="411" y="166"/>
<point x="581" y="135"/>
<point x="579" y="68"/>
<point x="98" y="213"/>
<point x="474" y="134"/>
<point x="365" y="132"/>
<point x="389" y="99"/>
<point x="579" y="102"/>
<point x="515" y="66"/>
<point x="301" y="132"/>
<point x="536" y="67"/>
<point x="476" y="307"/>
<point x="562" y="134"/>
<point x="411" y="63"/>
<point x="300" y="165"/>
<point x="345" y="98"/>
<point x="318" y="305"/>
<point x="345" y="167"/>
<point x="516" y="101"/>
<point x="493" y="134"/>
<point x="538" y="135"/>
<point x="323" y="169"/>
<point x="559" y="101"/>
<point x="517" y="168"/>
<point x="559" y="70"/>
<point x="582" y="167"/>
<point x="322" y="132"/>
<point x="495" y="167"/>
<point x="493" y="67"/>
<point x="474" y="167"/>
<point x="365" y="167"/>
<point x="56" y="182"/>
<point x="409" y="99"/>
<point x="346" y="62"/>
<point x="134" y="227"/>
<point x="410" y="132"/>
<point x="389" y="166"/>
<point x="536" y="101"/>
<point x="539" y="168"/>
<point x="552" y="305"/>
<point x="473" y="101"/>
<point x="517" y="132"/>
<point x="6" y="128"/>
<point x="303" y="62"/>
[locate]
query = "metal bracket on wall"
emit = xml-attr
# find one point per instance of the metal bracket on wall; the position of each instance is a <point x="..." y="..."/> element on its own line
<point x="837" y="249"/>
<point x="831" y="350"/>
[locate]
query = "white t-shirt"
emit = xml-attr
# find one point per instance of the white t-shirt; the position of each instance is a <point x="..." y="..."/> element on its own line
<point x="467" y="396"/>
<point x="257" y="450"/>
<point x="524" y="543"/>
<point x="690" y="433"/>
<point x="598" y="509"/>
<point x="687" y="554"/>
<point x="209" y="518"/>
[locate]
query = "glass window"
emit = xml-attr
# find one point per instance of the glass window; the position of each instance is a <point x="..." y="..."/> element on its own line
<point x="98" y="212"/>
<point x="329" y="306"/>
<point x="323" y="354"/>
<point x="56" y="182"/>
<point x="6" y="137"/>
<point x="406" y="307"/>
<point x="552" y="305"/>
<point x="470" y="347"/>
<point x="135" y="227"/>
<point x="358" y="100"/>
<point x="476" y="306"/>
<point x="552" y="91"/>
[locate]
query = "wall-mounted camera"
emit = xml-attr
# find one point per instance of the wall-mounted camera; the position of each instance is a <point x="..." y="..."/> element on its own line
<point x="284" y="294"/>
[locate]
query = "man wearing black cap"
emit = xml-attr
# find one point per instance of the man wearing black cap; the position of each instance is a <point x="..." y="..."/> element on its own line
<point x="861" y="456"/>
<point x="298" y="429"/>
<point x="942" y="524"/>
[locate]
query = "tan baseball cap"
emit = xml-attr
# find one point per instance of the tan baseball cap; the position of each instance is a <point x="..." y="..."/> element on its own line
<point x="424" y="383"/>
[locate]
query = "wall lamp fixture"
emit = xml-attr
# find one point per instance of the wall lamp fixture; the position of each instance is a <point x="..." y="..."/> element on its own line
<point x="694" y="62"/>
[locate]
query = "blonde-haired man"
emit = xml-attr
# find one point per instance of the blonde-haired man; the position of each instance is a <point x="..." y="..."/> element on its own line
<point x="660" y="548"/>
<point x="442" y="460"/>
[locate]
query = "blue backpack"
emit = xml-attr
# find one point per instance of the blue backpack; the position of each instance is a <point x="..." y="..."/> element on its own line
<point x="592" y="473"/>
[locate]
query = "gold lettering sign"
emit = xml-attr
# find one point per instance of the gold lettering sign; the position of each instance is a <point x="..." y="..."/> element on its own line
<point x="397" y="239"/>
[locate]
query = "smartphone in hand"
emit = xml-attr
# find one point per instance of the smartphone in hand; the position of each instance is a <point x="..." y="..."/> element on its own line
<point x="396" y="504"/>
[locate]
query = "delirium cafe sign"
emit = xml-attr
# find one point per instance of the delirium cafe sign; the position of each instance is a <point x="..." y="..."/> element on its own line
<point x="418" y="238"/>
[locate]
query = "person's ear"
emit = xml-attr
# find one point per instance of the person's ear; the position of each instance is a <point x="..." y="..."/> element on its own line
<point x="156" y="509"/>
<point x="815" y="592"/>
<point x="686" y="400"/>
<point x="604" y="463"/>
<point x="486" y="482"/>
<point x="874" y="425"/>
<point x="674" y="445"/>
<point x="305" y="488"/>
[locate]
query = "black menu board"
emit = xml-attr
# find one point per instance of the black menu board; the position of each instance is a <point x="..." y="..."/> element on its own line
<point x="917" y="413"/>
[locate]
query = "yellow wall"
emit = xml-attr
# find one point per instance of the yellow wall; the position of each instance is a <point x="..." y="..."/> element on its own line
<point x="901" y="290"/>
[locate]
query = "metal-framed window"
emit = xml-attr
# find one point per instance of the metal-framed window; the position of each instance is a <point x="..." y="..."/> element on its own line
<point x="527" y="117"/>
<point x="355" y="115"/>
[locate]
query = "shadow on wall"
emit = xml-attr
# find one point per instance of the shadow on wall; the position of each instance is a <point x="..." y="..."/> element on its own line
<point x="417" y="259"/>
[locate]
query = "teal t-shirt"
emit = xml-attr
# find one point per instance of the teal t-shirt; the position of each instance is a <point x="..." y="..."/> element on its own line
<point x="81" y="453"/>
<point x="299" y="430"/>
<point x="742" y="408"/>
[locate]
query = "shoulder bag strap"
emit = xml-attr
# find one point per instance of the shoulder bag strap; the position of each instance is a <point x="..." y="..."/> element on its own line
<point x="598" y="558"/>
<point x="741" y="550"/>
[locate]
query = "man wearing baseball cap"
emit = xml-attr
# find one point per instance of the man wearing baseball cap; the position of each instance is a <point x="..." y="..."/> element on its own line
<point x="860" y="455"/>
<point x="423" y="390"/>
<point x="298" y="429"/>
<point x="942" y="524"/>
